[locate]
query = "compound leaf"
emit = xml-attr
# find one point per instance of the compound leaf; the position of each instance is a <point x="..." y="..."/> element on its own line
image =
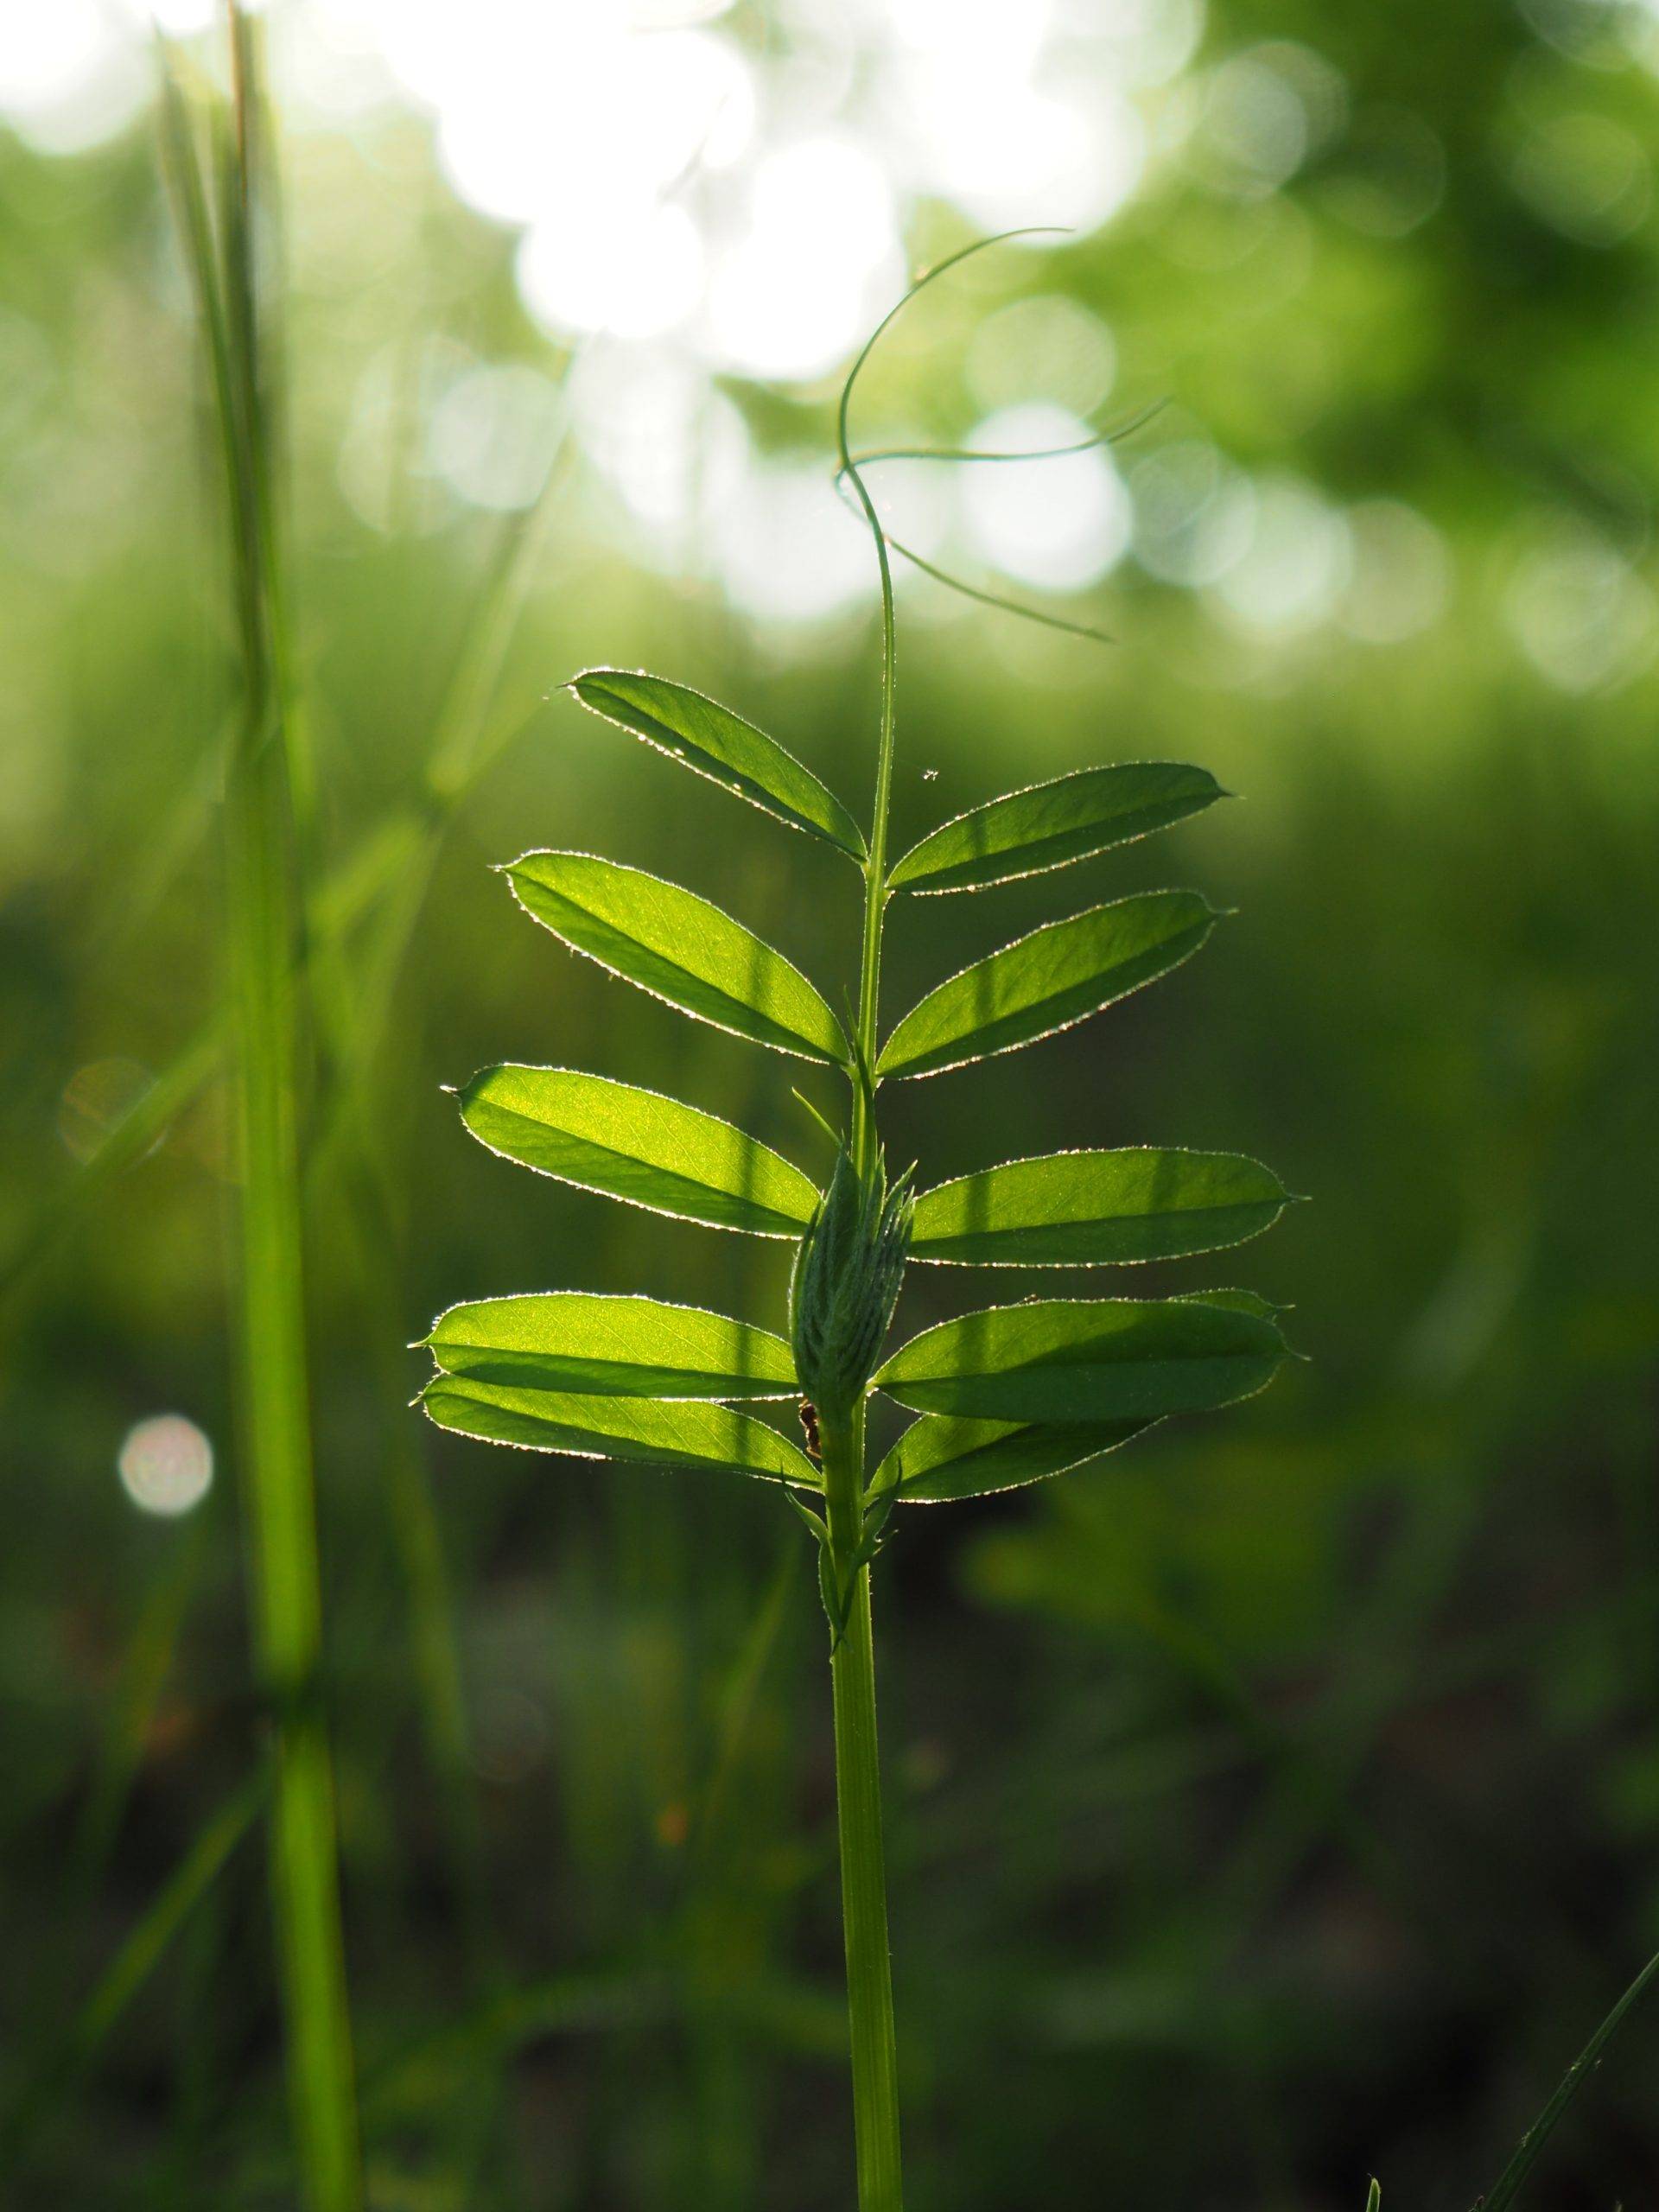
<point x="716" y="743"/>
<point x="579" y="1341"/>
<point x="1085" y="1209"/>
<point x="639" y="1146"/>
<point x="617" y="1428"/>
<point x="1047" y="981"/>
<point x="680" y="948"/>
<point x="1067" y="1360"/>
<point x="1051" y="824"/>
<point x="940" y="1457"/>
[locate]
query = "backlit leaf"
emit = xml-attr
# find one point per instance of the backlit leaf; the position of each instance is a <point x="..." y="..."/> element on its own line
<point x="1080" y="1209"/>
<point x="576" y="1340"/>
<point x="940" y="1457"/>
<point x="1047" y="981"/>
<point x="617" y="1428"/>
<point x="679" y="948"/>
<point x="722" y="745"/>
<point x="1051" y="824"/>
<point x="1064" y="1360"/>
<point x="639" y="1146"/>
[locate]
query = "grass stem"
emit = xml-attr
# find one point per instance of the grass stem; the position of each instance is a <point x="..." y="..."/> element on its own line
<point x="266" y="989"/>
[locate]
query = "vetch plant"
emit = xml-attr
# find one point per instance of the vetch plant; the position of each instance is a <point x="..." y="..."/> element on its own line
<point x="1002" y="1396"/>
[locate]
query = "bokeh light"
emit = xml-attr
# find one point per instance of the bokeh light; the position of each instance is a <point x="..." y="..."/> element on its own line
<point x="165" y="1465"/>
<point x="1062" y="522"/>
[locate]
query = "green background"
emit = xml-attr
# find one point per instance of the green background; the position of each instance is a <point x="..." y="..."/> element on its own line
<point x="1275" y="1803"/>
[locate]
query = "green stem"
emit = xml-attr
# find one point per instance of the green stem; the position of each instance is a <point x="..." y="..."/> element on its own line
<point x="265" y="1004"/>
<point x="863" y="1876"/>
<point x="852" y="1664"/>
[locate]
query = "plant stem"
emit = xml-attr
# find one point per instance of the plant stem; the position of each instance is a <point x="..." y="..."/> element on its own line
<point x="863" y="1876"/>
<point x="852" y="1662"/>
<point x="265" y="991"/>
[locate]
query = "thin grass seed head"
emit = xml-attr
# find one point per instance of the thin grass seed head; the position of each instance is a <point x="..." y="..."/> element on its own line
<point x="845" y="1281"/>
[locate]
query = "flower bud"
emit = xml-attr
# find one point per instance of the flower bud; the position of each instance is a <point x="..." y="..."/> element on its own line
<point x="845" y="1282"/>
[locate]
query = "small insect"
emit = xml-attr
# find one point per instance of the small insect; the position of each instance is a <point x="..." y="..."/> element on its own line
<point x="809" y="1413"/>
<point x="930" y="775"/>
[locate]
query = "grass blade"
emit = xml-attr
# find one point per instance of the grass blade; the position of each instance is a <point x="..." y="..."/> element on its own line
<point x="1508" y="2185"/>
<point x="130" y="1969"/>
<point x="266" y="985"/>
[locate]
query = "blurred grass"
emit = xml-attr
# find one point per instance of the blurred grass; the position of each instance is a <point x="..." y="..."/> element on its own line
<point x="1272" y="1807"/>
<point x="228" y="204"/>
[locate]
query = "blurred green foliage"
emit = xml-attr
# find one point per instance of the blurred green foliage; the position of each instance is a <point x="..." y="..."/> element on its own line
<point x="1275" y="1804"/>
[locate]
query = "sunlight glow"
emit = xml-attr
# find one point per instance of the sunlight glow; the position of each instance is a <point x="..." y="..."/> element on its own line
<point x="1579" y="611"/>
<point x="68" y="78"/>
<point x="631" y="272"/>
<point x="790" y="296"/>
<point x="492" y="435"/>
<point x="165" y="1465"/>
<point x="1401" y="573"/>
<point x="1296" y="564"/>
<point x="1062" y="523"/>
<point x="788" y="550"/>
<point x="1045" y="347"/>
<point x="673" y="450"/>
<point x="1009" y="153"/>
<point x="1194" y="512"/>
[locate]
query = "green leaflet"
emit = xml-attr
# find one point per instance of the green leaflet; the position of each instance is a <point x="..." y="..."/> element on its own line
<point x="617" y="1428"/>
<point x="722" y="745"/>
<point x="580" y="1342"/>
<point x="1047" y="981"/>
<point x="679" y="948"/>
<point x="639" y="1146"/>
<point x="1050" y="825"/>
<point x="1082" y="1209"/>
<point x="940" y="1457"/>
<point x="1064" y="1360"/>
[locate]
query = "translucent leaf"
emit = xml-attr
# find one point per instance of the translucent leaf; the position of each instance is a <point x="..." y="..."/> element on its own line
<point x="722" y="745"/>
<point x="939" y="1457"/>
<point x="1047" y="981"/>
<point x="1051" y="824"/>
<point x="617" y="1428"/>
<point x="1064" y="1360"/>
<point x="1082" y="1209"/>
<point x="638" y="1145"/>
<point x="578" y="1341"/>
<point x="679" y="948"/>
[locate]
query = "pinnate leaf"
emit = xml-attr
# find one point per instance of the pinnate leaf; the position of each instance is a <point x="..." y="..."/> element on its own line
<point x="1051" y="824"/>
<point x="1082" y="1209"/>
<point x="1056" y="975"/>
<point x="680" y="948"/>
<point x="617" y="1428"/>
<point x="1066" y="1360"/>
<point x="579" y="1341"/>
<point x="941" y="1457"/>
<point x="722" y="745"/>
<point x="639" y="1146"/>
